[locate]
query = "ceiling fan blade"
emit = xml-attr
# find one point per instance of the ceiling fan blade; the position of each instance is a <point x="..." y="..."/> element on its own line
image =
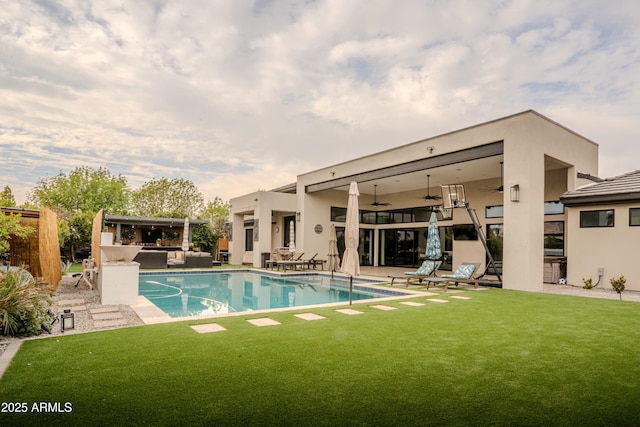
<point x="375" y="198"/>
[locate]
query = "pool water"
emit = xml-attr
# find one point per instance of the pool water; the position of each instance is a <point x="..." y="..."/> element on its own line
<point x="183" y="294"/>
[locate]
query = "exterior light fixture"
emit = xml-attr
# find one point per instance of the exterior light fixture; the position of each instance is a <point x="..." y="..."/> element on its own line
<point x="67" y="320"/>
<point x="298" y="214"/>
<point x="515" y="193"/>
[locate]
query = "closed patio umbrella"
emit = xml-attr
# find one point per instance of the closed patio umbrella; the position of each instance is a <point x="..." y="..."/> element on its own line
<point x="185" y="235"/>
<point x="351" y="259"/>
<point x="292" y="237"/>
<point x="433" y="251"/>
<point x="334" y="257"/>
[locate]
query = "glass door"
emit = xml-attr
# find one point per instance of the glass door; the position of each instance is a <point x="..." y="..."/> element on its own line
<point x="495" y="237"/>
<point x="399" y="248"/>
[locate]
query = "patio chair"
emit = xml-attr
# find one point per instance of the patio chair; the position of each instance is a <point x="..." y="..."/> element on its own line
<point x="295" y="260"/>
<point x="427" y="269"/>
<point x="89" y="271"/>
<point x="463" y="274"/>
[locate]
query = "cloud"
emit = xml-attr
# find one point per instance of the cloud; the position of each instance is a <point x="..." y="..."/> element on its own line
<point x="240" y="96"/>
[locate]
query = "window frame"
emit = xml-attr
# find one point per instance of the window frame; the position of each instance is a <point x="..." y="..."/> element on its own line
<point x="631" y="211"/>
<point x="613" y="218"/>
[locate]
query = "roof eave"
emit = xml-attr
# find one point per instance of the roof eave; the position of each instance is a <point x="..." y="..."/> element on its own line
<point x="601" y="199"/>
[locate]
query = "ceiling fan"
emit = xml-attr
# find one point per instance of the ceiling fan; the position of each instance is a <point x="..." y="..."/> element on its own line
<point x="429" y="196"/>
<point x="375" y="198"/>
<point x="499" y="189"/>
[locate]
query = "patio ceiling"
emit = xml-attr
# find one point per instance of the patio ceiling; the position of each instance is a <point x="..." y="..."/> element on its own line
<point x="486" y="166"/>
<point x="473" y="164"/>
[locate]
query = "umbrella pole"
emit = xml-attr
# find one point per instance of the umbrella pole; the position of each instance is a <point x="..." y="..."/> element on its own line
<point x="350" y="290"/>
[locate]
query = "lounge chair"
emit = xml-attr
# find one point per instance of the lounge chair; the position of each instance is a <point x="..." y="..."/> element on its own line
<point x="295" y="261"/>
<point x="427" y="269"/>
<point x="463" y="274"/>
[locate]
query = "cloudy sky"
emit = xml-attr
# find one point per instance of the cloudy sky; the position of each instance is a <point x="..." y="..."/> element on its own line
<point x="244" y="95"/>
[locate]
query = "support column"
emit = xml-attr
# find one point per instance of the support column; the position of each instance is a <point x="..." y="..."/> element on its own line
<point x="524" y="220"/>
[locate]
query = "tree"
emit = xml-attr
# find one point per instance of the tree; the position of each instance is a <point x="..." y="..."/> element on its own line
<point x="217" y="213"/>
<point x="77" y="198"/>
<point x="171" y="198"/>
<point x="10" y="226"/>
<point x="6" y="197"/>
<point x="84" y="190"/>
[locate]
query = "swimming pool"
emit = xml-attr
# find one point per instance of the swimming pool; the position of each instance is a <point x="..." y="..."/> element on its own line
<point x="184" y="294"/>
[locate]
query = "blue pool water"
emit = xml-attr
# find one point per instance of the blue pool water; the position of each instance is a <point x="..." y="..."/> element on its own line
<point x="181" y="294"/>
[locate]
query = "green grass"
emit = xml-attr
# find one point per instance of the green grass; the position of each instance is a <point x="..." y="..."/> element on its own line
<point x="500" y="358"/>
<point x="76" y="267"/>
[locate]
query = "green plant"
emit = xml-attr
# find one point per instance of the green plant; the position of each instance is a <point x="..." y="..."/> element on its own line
<point x="618" y="284"/>
<point x="24" y="304"/>
<point x="588" y="283"/>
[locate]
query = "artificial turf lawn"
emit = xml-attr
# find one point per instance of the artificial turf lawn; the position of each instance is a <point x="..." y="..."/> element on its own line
<point x="502" y="357"/>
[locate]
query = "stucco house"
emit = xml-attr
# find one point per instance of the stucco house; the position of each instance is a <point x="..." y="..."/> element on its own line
<point x="527" y="152"/>
<point x="603" y="232"/>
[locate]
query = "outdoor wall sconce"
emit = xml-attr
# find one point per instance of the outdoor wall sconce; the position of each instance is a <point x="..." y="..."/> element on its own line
<point x="67" y="320"/>
<point x="297" y="216"/>
<point x="515" y="193"/>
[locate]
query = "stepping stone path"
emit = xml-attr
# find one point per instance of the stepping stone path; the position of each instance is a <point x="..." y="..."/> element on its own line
<point x="309" y="316"/>
<point x="383" y="307"/>
<point x="264" y="321"/>
<point x="107" y="317"/>
<point x="412" y="303"/>
<point x="104" y="317"/>
<point x="112" y="313"/>
<point x="209" y="327"/>
<point x="349" y="311"/>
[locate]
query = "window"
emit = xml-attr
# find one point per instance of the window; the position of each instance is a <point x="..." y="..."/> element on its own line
<point x="494" y="211"/>
<point x="634" y="217"/>
<point x="553" y="208"/>
<point x="338" y="214"/>
<point x="554" y="238"/>
<point x="248" y="239"/>
<point x="395" y="216"/>
<point x="601" y="218"/>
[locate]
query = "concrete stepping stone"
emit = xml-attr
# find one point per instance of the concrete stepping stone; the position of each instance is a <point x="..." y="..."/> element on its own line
<point x="412" y="303"/>
<point x="460" y="297"/>
<point x="109" y="323"/>
<point x="309" y="316"/>
<point x="383" y="307"/>
<point x="107" y="316"/>
<point x="264" y="321"/>
<point x="71" y="302"/>
<point x="103" y="310"/>
<point x="349" y="311"/>
<point x="209" y="327"/>
<point x="437" y="300"/>
<point x="79" y="308"/>
<point x="430" y="294"/>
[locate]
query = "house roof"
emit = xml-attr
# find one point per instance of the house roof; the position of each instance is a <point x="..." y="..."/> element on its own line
<point x="619" y="189"/>
<point x="138" y="220"/>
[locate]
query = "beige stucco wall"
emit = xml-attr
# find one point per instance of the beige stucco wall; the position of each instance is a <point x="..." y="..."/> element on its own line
<point x="541" y="156"/>
<point x="615" y="248"/>
<point x="263" y="206"/>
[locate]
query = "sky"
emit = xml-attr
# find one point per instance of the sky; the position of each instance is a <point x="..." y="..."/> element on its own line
<point x="239" y="96"/>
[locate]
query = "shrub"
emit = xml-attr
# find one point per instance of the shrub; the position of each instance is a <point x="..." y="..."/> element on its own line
<point x="588" y="283"/>
<point x="24" y="304"/>
<point x="618" y="284"/>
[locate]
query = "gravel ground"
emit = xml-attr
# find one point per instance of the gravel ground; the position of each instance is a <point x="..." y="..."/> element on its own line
<point x="82" y="319"/>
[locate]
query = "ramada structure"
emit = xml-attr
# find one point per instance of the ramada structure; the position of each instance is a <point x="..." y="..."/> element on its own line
<point x="516" y="171"/>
